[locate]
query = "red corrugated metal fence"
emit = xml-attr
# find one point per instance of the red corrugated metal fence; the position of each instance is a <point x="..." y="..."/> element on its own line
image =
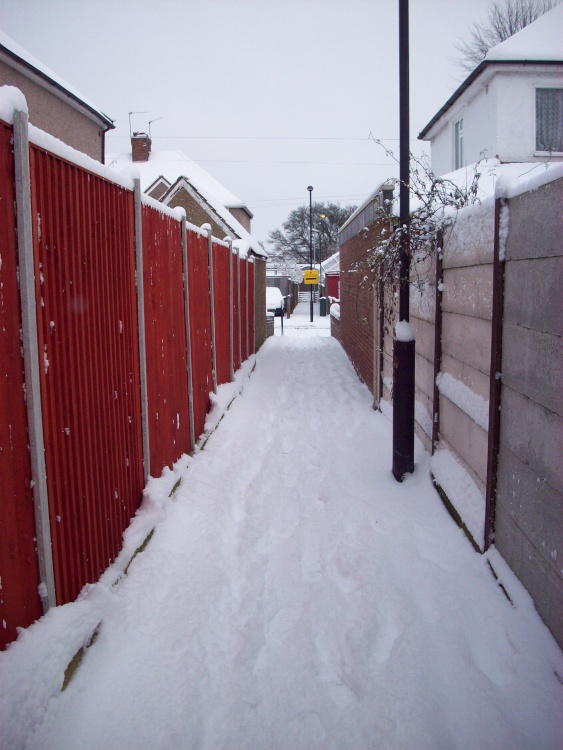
<point x="87" y="325"/>
<point x="19" y="573"/>
<point x="91" y="365"/>
<point x="165" y="337"/>
<point x="221" y="279"/>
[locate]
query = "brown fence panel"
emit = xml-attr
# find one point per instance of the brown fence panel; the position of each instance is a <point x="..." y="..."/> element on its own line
<point x="200" y="324"/>
<point x="221" y="280"/>
<point x="165" y="337"/>
<point x="87" y="330"/>
<point x="243" y="309"/>
<point x="19" y="600"/>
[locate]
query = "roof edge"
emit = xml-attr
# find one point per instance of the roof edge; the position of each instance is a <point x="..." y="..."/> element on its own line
<point x="469" y="80"/>
<point x="98" y="114"/>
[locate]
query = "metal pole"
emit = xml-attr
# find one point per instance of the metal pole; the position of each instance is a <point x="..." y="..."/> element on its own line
<point x="403" y="350"/>
<point x="310" y="189"/>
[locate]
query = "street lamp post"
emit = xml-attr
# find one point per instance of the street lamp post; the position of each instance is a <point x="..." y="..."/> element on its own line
<point x="404" y="346"/>
<point x="310" y="189"/>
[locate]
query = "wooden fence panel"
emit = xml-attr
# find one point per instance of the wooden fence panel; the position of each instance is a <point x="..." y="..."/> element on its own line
<point x="200" y="323"/>
<point x="165" y="338"/>
<point x="87" y="331"/>
<point x="19" y="600"/>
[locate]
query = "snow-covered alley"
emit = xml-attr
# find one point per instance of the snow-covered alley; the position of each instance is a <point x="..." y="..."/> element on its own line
<point x="293" y="595"/>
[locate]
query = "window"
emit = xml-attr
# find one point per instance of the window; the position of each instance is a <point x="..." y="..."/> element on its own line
<point x="458" y="144"/>
<point x="549" y="120"/>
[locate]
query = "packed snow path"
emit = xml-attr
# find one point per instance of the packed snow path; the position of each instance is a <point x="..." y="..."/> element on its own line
<point x="295" y="596"/>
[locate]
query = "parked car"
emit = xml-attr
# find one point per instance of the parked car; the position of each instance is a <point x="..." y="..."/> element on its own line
<point x="275" y="302"/>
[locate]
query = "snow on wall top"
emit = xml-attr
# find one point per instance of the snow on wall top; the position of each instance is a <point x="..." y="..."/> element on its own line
<point x="9" y="44"/>
<point x="542" y="40"/>
<point x="507" y="180"/>
<point x="496" y="180"/>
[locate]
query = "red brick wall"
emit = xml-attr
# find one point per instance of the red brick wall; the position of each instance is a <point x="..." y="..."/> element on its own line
<point x="357" y="300"/>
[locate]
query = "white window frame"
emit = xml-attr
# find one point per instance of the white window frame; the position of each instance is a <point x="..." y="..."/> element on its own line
<point x="544" y="85"/>
<point x="458" y="143"/>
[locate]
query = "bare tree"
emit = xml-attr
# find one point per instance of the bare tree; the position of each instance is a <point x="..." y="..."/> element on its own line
<point x="504" y="19"/>
<point x="292" y="242"/>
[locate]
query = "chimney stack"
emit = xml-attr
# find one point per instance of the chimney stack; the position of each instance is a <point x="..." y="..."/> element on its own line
<point x="140" y="147"/>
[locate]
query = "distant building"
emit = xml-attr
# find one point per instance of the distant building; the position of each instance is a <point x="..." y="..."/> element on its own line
<point x="53" y="105"/>
<point x="510" y="107"/>
<point x="172" y="178"/>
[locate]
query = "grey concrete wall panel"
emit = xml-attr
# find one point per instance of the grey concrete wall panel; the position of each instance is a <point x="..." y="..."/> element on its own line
<point x="467" y="340"/>
<point x="532" y="364"/>
<point x="467" y="439"/>
<point x="534" y="434"/>
<point x="474" y="379"/>
<point x="424" y="375"/>
<point x="424" y="336"/>
<point x="470" y="239"/>
<point x="532" y="294"/>
<point x="534" y="506"/>
<point x="468" y="291"/>
<point x="545" y="585"/>
<point x="536" y="223"/>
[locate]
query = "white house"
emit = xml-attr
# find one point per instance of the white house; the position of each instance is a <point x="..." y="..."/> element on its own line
<point x="510" y="107"/>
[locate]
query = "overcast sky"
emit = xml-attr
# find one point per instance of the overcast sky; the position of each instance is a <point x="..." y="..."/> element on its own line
<point x="269" y="96"/>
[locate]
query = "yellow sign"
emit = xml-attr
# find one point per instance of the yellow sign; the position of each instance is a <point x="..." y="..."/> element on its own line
<point x="310" y="277"/>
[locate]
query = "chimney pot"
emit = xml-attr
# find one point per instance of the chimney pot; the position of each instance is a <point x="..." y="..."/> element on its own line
<point x="140" y="147"/>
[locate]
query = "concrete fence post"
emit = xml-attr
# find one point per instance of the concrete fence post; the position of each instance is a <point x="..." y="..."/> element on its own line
<point x="31" y="358"/>
<point x="141" y="325"/>
<point x="208" y="229"/>
<point x="189" y="363"/>
<point x="253" y="323"/>
<point x="229" y="242"/>
<point x="239" y="308"/>
<point x="246" y="308"/>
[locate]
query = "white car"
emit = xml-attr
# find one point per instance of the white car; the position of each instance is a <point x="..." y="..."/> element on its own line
<point x="275" y="301"/>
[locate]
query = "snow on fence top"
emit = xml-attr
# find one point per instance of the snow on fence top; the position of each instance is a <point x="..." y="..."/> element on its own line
<point x="11" y="100"/>
<point x="58" y="148"/>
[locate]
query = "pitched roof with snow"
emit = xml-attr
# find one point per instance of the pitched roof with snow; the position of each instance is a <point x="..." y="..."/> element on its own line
<point x="539" y="42"/>
<point x="18" y="54"/>
<point x="174" y="166"/>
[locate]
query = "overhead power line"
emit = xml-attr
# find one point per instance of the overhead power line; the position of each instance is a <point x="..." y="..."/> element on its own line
<point x="260" y="138"/>
<point x="287" y="161"/>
